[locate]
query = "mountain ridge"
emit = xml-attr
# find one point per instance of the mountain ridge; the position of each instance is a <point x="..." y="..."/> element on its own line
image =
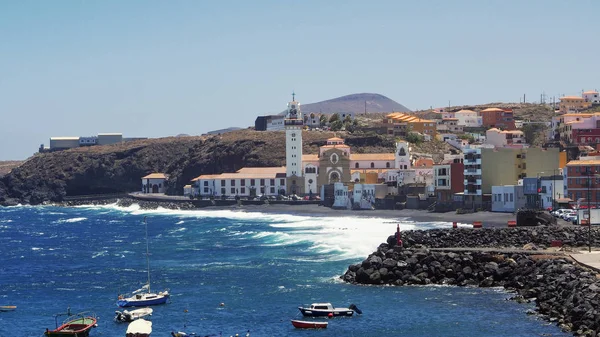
<point x="355" y="103"/>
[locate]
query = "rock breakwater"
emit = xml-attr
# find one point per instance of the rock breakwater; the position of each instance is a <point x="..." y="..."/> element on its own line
<point x="564" y="292"/>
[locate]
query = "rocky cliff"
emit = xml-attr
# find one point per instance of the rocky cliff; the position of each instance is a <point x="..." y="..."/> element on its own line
<point x="118" y="168"/>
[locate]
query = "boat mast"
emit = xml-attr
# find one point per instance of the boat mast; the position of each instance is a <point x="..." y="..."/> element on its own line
<point x="147" y="254"/>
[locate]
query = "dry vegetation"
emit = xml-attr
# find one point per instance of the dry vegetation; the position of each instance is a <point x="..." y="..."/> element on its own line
<point x="7" y="166"/>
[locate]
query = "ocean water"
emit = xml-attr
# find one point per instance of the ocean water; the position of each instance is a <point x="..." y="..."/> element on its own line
<point x="261" y="266"/>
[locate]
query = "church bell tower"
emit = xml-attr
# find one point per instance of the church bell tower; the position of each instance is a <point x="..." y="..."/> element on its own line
<point x="294" y="123"/>
<point x="293" y="138"/>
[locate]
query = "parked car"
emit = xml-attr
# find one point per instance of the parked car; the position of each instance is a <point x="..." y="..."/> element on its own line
<point x="565" y="214"/>
<point x="570" y="217"/>
<point x="560" y="211"/>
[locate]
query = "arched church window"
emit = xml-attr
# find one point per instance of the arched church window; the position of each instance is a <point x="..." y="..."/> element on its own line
<point x="372" y="165"/>
<point x="356" y="165"/>
<point x="402" y="152"/>
<point x="387" y="165"/>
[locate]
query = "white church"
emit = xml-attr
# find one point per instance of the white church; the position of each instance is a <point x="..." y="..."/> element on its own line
<point x="305" y="174"/>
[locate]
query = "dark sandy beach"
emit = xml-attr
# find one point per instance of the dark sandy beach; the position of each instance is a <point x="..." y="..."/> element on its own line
<point x="488" y="219"/>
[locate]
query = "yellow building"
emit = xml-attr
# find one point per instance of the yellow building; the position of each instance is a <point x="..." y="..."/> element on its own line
<point x="401" y="124"/>
<point x="505" y="166"/>
<point x="570" y="104"/>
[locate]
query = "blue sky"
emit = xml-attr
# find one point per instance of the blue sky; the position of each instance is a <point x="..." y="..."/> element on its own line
<point x="161" y="68"/>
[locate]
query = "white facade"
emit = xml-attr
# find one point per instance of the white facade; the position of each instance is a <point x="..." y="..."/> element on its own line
<point x="276" y="123"/>
<point x="441" y="176"/>
<point x="472" y="172"/>
<point x="468" y="118"/>
<point x="341" y="196"/>
<point x="402" y="159"/>
<point x="507" y="198"/>
<point x="552" y="188"/>
<point x="154" y="183"/>
<point x="88" y="141"/>
<point x="293" y="140"/>
<point x="591" y="96"/>
<point x="499" y="138"/>
<point x="60" y="143"/>
<point x="241" y="183"/>
<point x="363" y="196"/>
<point x="311" y="172"/>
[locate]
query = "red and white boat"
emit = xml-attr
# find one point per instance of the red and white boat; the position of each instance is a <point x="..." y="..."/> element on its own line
<point x="309" y="324"/>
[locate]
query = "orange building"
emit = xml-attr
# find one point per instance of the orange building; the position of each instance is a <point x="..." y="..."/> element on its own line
<point x="498" y="118"/>
<point x="401" y="124"/>
<point x="570" y="104"/>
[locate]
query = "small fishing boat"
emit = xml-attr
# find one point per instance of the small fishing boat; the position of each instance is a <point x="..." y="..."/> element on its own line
<point x="130" y="316"/>
<point x="326" y="309"/>
<point x="139" y="328"/>
<point x="77" y="325"/>
<point x="144" y="296"/>
<point x="309" y="324"/>
<point x="8" y="307"/>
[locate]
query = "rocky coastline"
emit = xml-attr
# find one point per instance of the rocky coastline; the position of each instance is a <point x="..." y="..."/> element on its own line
<point x="564" y="292"/>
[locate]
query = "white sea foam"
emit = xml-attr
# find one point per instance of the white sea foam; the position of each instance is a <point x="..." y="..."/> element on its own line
<point x="6" y="220"/>
<point x="71" y="220"/>
<point x="179" y="222"/>
<point x="102" y="253"/>
<point x="341" y="237"/>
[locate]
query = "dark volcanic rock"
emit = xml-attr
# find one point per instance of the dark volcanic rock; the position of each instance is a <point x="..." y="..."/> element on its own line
<point x="564" y="292"/>
<point x="118" y="168"/>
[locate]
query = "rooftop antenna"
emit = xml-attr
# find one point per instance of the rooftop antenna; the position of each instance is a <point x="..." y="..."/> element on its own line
<point x="293" y="96"/>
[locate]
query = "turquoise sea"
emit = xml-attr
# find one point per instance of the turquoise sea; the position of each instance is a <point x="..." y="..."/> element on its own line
<point x="261" y="266"/>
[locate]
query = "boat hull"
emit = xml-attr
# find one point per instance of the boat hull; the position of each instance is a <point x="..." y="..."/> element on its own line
<point x="8" y="307"/>
<point x="308" y="312"/>
<point x="309" y="325"/>
<point x="143" y="301"/>
<point x="76" y="328"/>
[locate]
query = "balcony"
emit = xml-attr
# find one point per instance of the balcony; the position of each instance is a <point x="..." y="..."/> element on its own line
<point x="476" y="182"/>
<point x="293" y="122"/>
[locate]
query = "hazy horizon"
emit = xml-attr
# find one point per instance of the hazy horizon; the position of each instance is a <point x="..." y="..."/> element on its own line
<point x="157" y="69"/>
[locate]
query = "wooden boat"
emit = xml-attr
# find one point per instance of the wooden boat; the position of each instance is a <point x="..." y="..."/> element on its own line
<point x="143" y="296"/>
<point x="8" y="307"/>
<point x="139" y="328"/>
<point x="309" y="324"/>
<point x="78" y="325"/>
<point x="326" y="309"/>
<point x="130" y="316"/>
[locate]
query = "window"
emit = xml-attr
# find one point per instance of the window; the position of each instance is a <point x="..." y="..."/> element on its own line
<point x="272" y="182"/>
<point x="356" y="165"/>
<point x="272" y="189"/>
<point x="282" y="182"/>
<point x="372" y="165"/>
<point x="252" y="182"/>
<point x="511" y="197"/>
<point x="262" y="182"/>
<point x="243" y="182"/>
<point x="387" y="165"/>
<point x="222" y="183"/>
<point x="222" y="190"/>
<point x="206" y="183"/>
<point x="233" y="190"/>
<point x="206" y="190"/>
<point x="243" y="190"/>
<point x="232" y="182"/>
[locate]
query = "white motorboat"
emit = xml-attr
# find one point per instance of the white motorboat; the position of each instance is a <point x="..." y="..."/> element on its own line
<point x="132" y="315"/>
<point x="139" y="328"/>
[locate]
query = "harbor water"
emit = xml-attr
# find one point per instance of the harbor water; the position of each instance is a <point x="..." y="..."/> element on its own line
<point x="228" y="272"/>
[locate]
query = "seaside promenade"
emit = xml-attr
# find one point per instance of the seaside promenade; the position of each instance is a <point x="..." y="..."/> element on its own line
<point x="587" y="259"/>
